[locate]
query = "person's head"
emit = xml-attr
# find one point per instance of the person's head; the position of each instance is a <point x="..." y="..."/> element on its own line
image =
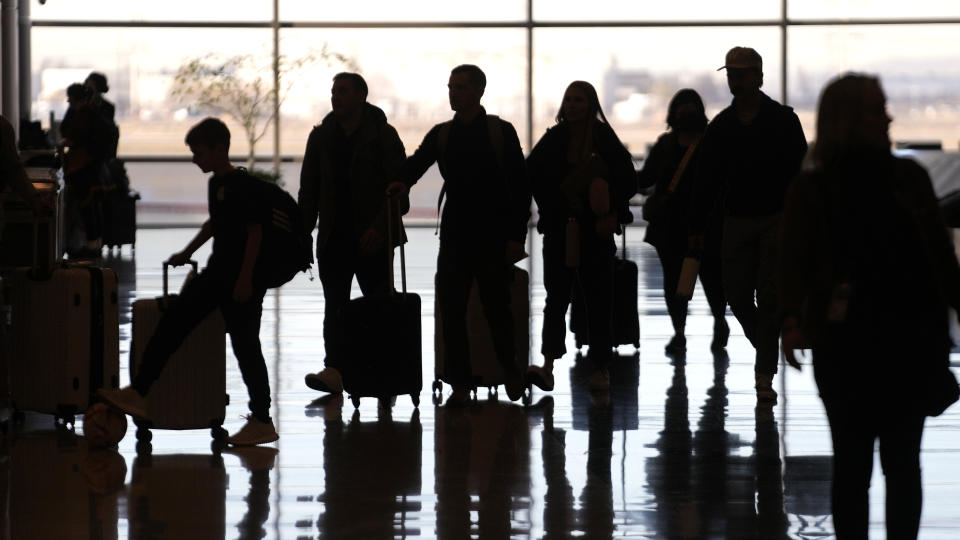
<point x="209" y="142"/>
<point x="852" y="116"/>
<point x="466" y="86"/>
<point x="97" y="82"/>
<point x="686" y="111"/>
<point x="744" y="71"/>
<point x="580" y="103"/>
<point x="78" y="95"/>
<point x="348" y="94"/>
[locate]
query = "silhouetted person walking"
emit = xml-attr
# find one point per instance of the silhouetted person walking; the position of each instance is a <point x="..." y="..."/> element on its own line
<point x="671" y="168"/>
<point x="868" y="271"/>
<point x="750" y="153"/>
<point x="483" y="225"/>
<point x="350" y="158"/>
<point x="581" y="174"/>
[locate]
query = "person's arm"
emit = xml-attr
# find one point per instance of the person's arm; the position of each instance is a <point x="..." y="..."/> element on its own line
<point x="520" y="193"/>
<point x="308" y="198"/>
<point x="623" y="183"/>
<point x="243" y="289"/>
<point x="416" y="165"/>
<point x="648" y="176"/>
<point x="795" y="145"/>
<point x="392" y="156"/>
<point x="182" y="257"/>
<point x="938" y="238"/>
<point x="708" y="181"/>
<point x="797" y="251"/>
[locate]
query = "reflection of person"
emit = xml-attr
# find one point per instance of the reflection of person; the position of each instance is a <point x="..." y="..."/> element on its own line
<point x="750" y="151"/>
<point x="581" y="174"/>
<point x="670" y="167"/>
<point x="867" y="273"/>
<point x="483" y="226"/>
<point x="237" y="216"/>
<point x="349" y="159"/>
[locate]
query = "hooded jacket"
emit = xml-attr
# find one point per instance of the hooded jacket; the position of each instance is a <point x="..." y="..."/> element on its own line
<point x="377" y="156"/>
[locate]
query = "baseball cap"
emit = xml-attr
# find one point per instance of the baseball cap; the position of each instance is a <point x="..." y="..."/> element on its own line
<point x="742" y="57"/>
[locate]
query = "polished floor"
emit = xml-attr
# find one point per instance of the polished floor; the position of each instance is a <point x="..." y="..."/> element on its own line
<point x="681" y="450"/>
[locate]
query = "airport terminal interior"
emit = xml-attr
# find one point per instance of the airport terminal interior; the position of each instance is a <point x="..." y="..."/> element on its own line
<point x="679" y="448"/>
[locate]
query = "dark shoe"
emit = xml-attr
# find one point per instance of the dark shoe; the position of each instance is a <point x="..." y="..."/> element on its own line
<point x="721" y="334"/>
<point x="515" y="386"/>
<point x="541" y="377"/>
<point x="677" y="345"/>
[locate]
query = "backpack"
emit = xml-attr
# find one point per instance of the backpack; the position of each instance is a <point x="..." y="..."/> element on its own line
<point x="287" y="246"/>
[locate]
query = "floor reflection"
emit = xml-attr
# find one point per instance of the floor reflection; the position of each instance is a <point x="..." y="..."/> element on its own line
<point x="678" y="449"/>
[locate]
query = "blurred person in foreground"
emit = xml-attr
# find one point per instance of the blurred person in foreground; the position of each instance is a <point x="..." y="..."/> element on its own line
<point x="867" y="273"/>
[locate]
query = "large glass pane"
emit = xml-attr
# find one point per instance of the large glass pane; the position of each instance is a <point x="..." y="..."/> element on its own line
<point x="869" y="9"/>
<point x="393" y="11"/>
<point x="919" y="67"/>
<point x="151" y="10"/>
<point x="690" y="10"/>
<point x="637" y="70"/>
<point x="408" y="80"/>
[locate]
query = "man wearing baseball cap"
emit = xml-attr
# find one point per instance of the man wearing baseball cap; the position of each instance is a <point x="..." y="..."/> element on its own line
<point x="749" y="154"/>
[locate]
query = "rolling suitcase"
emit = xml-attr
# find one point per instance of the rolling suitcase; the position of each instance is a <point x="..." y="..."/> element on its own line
<point x="191" y="393"/>
<point x="64" y="339"/>
<point x="120" y="219"/>
<point x="484" y="366"/>
<point x="626" y="316"/>
<point x="383" y="336"/>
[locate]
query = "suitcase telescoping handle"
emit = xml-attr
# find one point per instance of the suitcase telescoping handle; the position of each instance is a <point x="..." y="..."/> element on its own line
<point x="166" y="267"/>
<point x="391" y="201"/>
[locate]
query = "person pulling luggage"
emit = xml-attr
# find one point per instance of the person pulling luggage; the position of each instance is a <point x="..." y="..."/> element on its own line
<point x="483" y="225"/>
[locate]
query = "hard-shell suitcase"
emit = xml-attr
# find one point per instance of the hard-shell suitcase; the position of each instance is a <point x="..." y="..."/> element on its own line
<point x="383" y="337"/>
<point x="178" y="496"/>
<point x="191" y="392"/>
<point x="484" y="366"/>
<point x="64" y="339"/>
<point x="626" y="315"/>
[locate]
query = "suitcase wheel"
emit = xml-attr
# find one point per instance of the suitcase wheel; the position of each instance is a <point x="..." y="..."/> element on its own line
<point x="491" y="391"/>
<point x="356" y="401"/>
<point x="144" y="448"/>
<point x="437" y="387"/>
<point x="218" y="433"/>
<point x="437" y="399"/>
<point x="415" y="398"/>
<point x="144" y="435"/>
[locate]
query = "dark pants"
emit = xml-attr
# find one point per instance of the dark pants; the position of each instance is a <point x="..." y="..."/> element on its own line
<point x="337" y="265"/>
<point x="87" y="200"/>
<point x="208" y="291"/>
<point x="458" y="265"/>
<point x="749" y="256"/>
<point x="594" y="280"/>
<point x="671" y="260"/>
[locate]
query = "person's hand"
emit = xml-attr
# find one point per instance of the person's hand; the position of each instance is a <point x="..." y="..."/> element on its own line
<point x="178" y="259"/>
<point x="515" y="251"/>
<point x="395" y="189"/>
<point x="606" y="225"/>
<point x="370" y="242"/>
<point x="243" y="290"/>
<point x="791" y="341"/>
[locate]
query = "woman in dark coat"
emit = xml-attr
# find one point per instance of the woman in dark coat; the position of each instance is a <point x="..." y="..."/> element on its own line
<point x="671" y="167"/>
<point x="867" y="273"/>
<point x="582" y="176"/>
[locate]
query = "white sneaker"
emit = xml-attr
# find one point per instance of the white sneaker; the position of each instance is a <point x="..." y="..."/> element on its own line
<point x="541" y="377"/>
<point x="126" y="399"/>
<point x="255" y="458"/>
<point x="599" y="381"/>
<point x="328" y="380"/>
<point x="254" y="432"/>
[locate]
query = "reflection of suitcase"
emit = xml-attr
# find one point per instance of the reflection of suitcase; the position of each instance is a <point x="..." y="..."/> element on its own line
<point x="178" y="496"/>
<point x="484" y="366"/>
<point x="626" y="316"/>
<point x="64" y="338"/>
<point x="383" y="337"/>
<point x="624" y="392"/>
<point x="191" y="392"/>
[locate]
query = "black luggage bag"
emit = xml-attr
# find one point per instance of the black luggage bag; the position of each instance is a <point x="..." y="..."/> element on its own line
<point x="383" y="336"/>
<point x="626" y="316"/>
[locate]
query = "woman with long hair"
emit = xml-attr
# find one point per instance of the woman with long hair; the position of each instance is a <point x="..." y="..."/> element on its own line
<point x="582" y="176"/>
<point x="867" y="273"/>
<point x="671" y="168"/>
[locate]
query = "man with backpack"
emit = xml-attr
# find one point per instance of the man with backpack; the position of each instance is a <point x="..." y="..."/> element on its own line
<point x="483" y="225"/>
<point x="350" y="158"/>
<point x="256" y="233"/>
